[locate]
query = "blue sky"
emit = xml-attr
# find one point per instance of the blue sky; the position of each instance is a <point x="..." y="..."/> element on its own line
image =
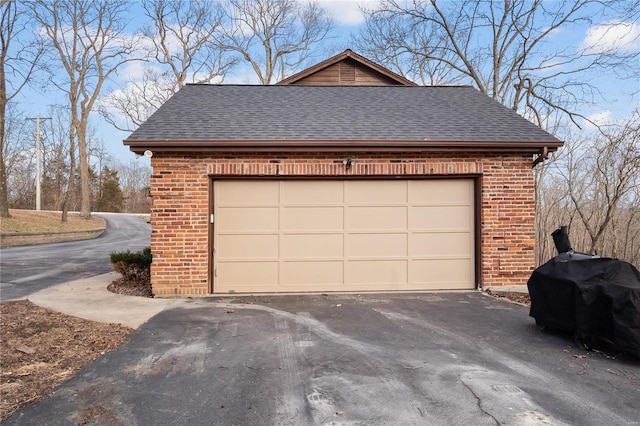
<point x="617" y="102"/>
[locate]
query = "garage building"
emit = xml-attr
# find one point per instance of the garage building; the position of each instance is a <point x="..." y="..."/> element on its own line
<point x="344" y="177"/>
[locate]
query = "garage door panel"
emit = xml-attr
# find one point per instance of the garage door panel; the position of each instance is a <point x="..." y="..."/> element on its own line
<point x="246" y="193"/>
<point x="451" y="218"/>
<point x="244" y="274"/>
<point x="312" y="218"/>
<point x="376" y="272"/>
<point x="308" y="273"/>
<point x="441" y="244"/>
<point x="377" y="245"/>
<point x="243" y="219"/>
<point x="312" y="192"/>
<point x="436" y="272"/>
<point x="317" y="246"/>
<point x="440" y="191"/>
<point x="379" y="193"/>
<point x="252" y="246"/>
<point x="377" y="218"/>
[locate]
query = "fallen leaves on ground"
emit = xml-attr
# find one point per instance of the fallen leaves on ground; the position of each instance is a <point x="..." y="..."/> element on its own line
<point x="522" y="298"/>
<point x="41" y="349"/>
<point x="140" y="288"/>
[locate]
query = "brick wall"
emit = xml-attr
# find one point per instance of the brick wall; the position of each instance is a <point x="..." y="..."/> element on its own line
<point x="179" y="223"/>
<point x="180" y="186"/>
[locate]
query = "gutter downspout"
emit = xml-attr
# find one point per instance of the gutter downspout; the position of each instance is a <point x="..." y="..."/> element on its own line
<point x="540" y="158"/>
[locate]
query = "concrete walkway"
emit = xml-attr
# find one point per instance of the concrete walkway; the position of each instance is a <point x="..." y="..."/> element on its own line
<point x="89" y="298"/>
<point x="509" y="289"/>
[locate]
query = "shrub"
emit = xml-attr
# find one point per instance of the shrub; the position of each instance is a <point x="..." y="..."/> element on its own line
<point x="133" y="266"/>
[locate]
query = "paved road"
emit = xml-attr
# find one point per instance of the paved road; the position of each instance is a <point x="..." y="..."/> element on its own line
<point x="421" y="359"/>
<point x="25" y="270"/>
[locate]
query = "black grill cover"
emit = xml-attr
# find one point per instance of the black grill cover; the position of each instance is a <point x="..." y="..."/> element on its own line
<point x="593" y="298"/>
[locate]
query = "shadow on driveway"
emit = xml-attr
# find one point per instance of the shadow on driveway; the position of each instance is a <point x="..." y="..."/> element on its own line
<point x="447" y="358"/>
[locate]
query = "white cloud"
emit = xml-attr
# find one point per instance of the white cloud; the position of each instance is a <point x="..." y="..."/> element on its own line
<point x="347" y="12"/>
<point x="600" y="118"/>
<point x="135" y="71"/>
<point x="242" y="75"/>
<point x="614" y="36"/>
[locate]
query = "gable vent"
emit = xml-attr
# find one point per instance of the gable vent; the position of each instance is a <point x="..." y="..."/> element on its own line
<point x="347" y="71"/>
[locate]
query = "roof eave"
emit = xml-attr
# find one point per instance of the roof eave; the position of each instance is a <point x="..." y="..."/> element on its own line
<point x="280" y="145"/>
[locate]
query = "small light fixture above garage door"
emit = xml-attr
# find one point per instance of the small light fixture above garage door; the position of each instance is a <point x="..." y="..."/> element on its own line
<point x="348" y="162"/>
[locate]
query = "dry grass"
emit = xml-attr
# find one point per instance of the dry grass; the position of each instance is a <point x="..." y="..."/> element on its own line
<point x="37" y="222"/>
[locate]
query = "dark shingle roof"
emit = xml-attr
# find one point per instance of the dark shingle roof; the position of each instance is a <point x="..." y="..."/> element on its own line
<point x="335" y="113"/>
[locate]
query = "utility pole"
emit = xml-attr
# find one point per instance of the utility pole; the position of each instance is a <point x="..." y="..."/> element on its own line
<point x="38" y="161"/>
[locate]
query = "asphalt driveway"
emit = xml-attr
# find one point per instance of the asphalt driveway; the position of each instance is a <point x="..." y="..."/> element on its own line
<point x="433" y="359"/>
<point x="25" y="270"/>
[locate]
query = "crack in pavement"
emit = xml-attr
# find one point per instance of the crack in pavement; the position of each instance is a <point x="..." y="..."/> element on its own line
<point x="479" y="401"/>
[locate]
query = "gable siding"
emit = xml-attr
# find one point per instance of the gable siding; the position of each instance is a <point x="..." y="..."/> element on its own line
<point x="348" y="57"/>
<point x="347" y="73"/>
<point x="367" y="77"/>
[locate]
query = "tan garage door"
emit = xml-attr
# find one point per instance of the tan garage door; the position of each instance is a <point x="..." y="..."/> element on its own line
<point x="331" y="235"/>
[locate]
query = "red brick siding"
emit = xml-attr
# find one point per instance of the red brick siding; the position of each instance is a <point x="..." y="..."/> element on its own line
<point x="179" y="218"/>
<point x="180" y="187"/>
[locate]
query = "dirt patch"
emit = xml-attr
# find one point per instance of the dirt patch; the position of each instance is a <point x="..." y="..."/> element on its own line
<point x="41" y="349"/>
<point x="522" y="298"/>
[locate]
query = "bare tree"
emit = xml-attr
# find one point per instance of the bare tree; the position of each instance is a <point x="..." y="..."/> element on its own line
<point x="593" y="186"/>
<point x="275" y="37"/>
<point x="181" y="48"/>
<point x="88" y="40"/>
<point x="99" y="157"/>
<point x="551" y="207"/>
<point x="135" y="180"/>
<point x="438" y="42"/>
<point x="18" y="61"/>
<point x="629" y="228"/>
<point x="57" y="158"/>
<point x="602" y="180"/>
<point x="19" y="158"/>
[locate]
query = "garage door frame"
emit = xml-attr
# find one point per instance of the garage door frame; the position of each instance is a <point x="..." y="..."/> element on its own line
<point x="477" y="210"/>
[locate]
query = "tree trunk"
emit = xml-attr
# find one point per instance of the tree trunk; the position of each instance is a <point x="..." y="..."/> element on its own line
<point x="85" y="199"/>
<point x="4" y="190"/>
<point x="64" y="207"/>
<point x="72" y="173"/>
